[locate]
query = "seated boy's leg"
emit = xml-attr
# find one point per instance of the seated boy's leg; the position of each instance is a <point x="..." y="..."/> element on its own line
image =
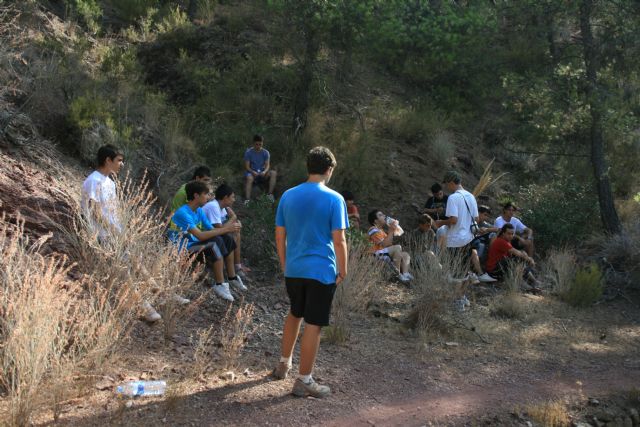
<point x="209" y="253"/>
<point x="272" y="180"/>
<point x="248" y="179"/>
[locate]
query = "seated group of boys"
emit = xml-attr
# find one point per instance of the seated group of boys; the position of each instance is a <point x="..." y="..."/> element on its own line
<point x="491" y="250"/>
<point x="206" y="227"/>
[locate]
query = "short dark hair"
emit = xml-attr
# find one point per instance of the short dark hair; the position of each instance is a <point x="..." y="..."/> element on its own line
<point x="372" y="216"/>
<point x="257" y="137"/>
<point x="107" y="152"/>
<point x="436" y="188"/>
<point x="484" y="208"/>
<point x="348" y="195"/>
<point x="452" y="176"/>
<point x="200" y="172"/>
<point x="509" y="205"/>
<point x="223" y="191"/>
<point x="195" y="187"/>
<point x="504" y="228"/>
<point x="319" y="160"/>
<point x="425" y="219"/>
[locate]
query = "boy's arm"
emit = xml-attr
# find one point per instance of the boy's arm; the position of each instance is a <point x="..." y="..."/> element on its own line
<point x="281" y="246"/>
<point x="340" y="246"/>
<point x="203" y="235"/>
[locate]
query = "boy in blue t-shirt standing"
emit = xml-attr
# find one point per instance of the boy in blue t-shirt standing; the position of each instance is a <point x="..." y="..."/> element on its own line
<point x="310" y="238"/>
<point x="190" y="226"/>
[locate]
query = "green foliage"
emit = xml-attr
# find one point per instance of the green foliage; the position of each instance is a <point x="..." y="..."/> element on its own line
<point x="561" y="213"/>
<point x="86" y="110"/>
<point x="175" y="19"/>
<point x="131" y="11"/>
<point x="87" y="11"/>
<point x="586" y="287"/>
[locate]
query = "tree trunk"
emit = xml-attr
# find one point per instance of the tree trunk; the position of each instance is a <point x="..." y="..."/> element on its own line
<point x="301" y="103"/>
<point x="608" y="214"/>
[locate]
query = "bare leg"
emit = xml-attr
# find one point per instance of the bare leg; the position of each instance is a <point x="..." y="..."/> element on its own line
<point x="231" y="268"/>
<point x="272" y="181"/>
<point x="236" y="252"/>
<point x="309" y="345"/>
<point x="218" y="270"/>
<point x="475" y="261"/>
<point x="290" y="334"/>
<point x="395" y="253"/>
<point x="406" y="260"/>
<point x="248" y="183"/>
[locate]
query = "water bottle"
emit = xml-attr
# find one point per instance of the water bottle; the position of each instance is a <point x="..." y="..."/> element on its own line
<point x="142" y="388"/>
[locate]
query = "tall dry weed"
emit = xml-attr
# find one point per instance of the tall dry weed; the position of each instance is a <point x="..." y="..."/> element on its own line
<point x="509" y="304"/>
<point x="437" y="284"/>
<point x="363" y="285"/>
<point x="560" y="269"/>
<point x="235" y="329"/>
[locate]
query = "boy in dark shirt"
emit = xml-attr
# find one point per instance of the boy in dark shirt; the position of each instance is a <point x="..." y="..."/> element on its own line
<point x="436" y="205"/>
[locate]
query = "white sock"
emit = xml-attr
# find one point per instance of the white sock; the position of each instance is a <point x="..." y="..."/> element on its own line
<point x="286" y="360"/>
<point x="307" y="379"/>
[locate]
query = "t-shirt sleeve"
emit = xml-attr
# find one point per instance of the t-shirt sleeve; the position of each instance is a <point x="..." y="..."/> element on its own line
<point x="266" y="156"/>
<point x="452" y="207"/>
<point x="205" y="224"/>
<point x="378" y="237"/>
<point x="182" y="221"/>
<point x="339" y="216"/>
<point x="520" y="227"/>
<point x="429" y="203"/>
<point x="179" y="199"/>
<point x="246" y="156"/>
<point x="213" y="213"/>
<point x="91" y="189"/>
<point x="499" y="222"/>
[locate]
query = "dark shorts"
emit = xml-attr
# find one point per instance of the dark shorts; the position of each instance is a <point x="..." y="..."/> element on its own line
<point x="257" y="179"/>
<point x="504" y="265"/>
<point x="310" y="300"/>
<point x="206" y="251"/>
<point x="226" y="243"/>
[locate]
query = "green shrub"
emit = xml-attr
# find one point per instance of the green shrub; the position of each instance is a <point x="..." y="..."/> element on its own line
<point x="131" y="11"/>
<point x="87" y="11"/>
<point x="560" y="213"/>
<point x="586" y="287"/>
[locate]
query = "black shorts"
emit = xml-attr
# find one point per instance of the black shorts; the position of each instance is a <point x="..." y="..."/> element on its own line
<point x="226" y="243"/>
<point x="310" y="299"/>
<point x="206" y="251"/>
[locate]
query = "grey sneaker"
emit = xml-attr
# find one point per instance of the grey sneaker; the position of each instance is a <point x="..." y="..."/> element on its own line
<point x="280" y="371"/>
<point x="237" y="283"/>
<point x="313" y="389"/>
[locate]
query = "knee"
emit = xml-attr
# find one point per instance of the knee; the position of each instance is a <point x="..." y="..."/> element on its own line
<point x="273" y="174"/>
<point x="249" y="178"/>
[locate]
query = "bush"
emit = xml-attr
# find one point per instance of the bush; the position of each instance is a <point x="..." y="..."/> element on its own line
<point x="586" y="288"/>
<point x="560" y="269"/>
<point x="621" y="253"/>
<point x="563" y="212"/>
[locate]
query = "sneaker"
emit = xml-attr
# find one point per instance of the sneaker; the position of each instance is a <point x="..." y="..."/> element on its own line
<point x="223" y="291"/>
<point x="466" y="301"/>
<point x="150" y="313"/>
<point x="179" y="300"/>
<point x="237" y="283"/>
<point x="246" y="202"/>
<point x="403" y="277"/>
<point x="271" y="198"/>
<point x="313" y="389"/>
<point x="409" y="276"/>
<point x="460" y="305"/>
<point x="280" y="371"/>
<point x="473" y="278"/>
<point x="484" y="277"/>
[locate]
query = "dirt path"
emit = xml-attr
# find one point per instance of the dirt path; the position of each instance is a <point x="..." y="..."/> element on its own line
<point x="385" y="375"/>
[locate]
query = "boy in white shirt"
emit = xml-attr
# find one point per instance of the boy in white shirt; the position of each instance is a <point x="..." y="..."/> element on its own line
<point x="523" y="239"/>
<point x="218" y="211"/>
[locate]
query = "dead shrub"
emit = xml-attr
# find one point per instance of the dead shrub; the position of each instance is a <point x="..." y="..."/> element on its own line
<point x="235" y="329"/>
<point x="438" y="283"/>
<point x="621" y="254"/>
<point x="362" y="286"/>
<point x="549" y="414"/>
<point x="203" y="341"/>
<point x="560" y="269"/>
<point x="510" y="304"/>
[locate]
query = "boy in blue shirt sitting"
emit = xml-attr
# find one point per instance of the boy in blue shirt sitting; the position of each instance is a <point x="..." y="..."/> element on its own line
<point x="190" y="226"/>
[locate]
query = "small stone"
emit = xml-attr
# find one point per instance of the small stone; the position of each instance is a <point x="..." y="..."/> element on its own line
<point x="529" y="424"/>
<point x="593" y="401"/>
<point x="229" y="376"/>
<point x="581" y="424"/>
<point x="129" y="403"/>
<point x="278" y="306"/>
<point x="451" y="344"/>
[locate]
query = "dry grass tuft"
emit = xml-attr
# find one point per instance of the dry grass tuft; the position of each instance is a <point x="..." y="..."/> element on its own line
<point x="437" y="288"/>
<point x="235" y="329"/>
<point x="510" y="304"/>
<point x="486" y="179"/>
<point x="549" y="414"/>
<point x="560" y="269"/>
<point x="361" y="287"/>
<point x="203" y="341"/>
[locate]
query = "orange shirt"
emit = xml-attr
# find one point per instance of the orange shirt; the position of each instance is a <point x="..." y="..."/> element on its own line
<point x="376" y="236"/>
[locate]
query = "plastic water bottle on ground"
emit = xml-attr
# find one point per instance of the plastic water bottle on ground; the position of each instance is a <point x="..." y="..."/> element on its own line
<point x="142" y="388"/>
